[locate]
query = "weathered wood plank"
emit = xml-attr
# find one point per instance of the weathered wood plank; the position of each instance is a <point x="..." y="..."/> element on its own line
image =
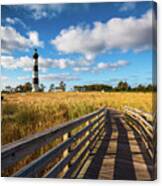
<point x="78" y="160"/>
<point x="148" y="116"/>
<point x="59" y="166"/>
<point x="143" y="123"/>
<point x="37" y="165"/>
<point x="12" y="153"/>
<point x="147" y="141"/>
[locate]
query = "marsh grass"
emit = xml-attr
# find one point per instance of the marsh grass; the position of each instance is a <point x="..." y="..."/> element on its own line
<point x="27" y="114"/>
<point x="23" y="115"/>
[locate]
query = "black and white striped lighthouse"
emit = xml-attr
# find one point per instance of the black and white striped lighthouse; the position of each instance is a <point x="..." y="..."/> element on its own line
<point x="35" y="83"/>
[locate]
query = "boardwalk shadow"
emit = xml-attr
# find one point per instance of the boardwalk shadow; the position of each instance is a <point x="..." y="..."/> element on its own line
<point x="123" y="166"/>
<point x="124" y="169"/>
<point x="144" y="153"/>
<point x="96" y="163"/>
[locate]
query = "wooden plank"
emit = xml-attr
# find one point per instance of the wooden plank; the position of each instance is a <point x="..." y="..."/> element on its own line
<point x="12" y="153"/>
<point x="59" y="166"/>
<point x="66" y="151"/>
<point x="77" y="162"/>
<point x="147" y="142"/>
<point x="148" y="116"/>
<point x="146" y="124"/>
<point x="37" y="165"/>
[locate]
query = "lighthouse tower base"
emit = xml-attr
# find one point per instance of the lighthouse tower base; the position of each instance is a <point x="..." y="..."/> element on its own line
<point x="35" y="88"/>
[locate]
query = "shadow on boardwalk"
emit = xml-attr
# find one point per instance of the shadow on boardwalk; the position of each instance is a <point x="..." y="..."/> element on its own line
<point x="131" y="161"/>
<point x="95" y="166"/>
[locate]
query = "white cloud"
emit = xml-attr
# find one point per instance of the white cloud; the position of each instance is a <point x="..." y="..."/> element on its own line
<point x="26" y="63"/>
<point x="10" y="20"/>
<point x="102" y="66"/>
<point x="118" y="33"/>
<point x="83" y="69"/>
<point x="16" y="20"/>
<point x="127" y="6"/>
<point x="39" y="11"/>
<point x="34" y="38"/>
<point x="13" y="40"/>
<point x="118" y="64"/>
<point x="9" y="62"/>
<point x="51" y="77"/>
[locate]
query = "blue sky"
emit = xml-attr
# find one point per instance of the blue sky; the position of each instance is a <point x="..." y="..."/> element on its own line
<point x="78" y="43"/>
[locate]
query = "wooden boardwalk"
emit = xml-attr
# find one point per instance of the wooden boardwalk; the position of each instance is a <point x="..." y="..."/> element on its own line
<point x="110" y="146"/>
<point x="119" y="154"/>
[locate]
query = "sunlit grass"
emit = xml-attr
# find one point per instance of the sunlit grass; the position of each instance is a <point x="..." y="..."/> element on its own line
<point x="26" y="114"/>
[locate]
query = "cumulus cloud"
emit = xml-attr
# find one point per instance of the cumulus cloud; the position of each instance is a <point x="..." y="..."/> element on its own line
<point x="34" y="38"/>
<point x="118" y="64"/>
<point x="13" y="40"/>
<point x="39" y="11"/>
<point x="16" y="20"/>
<point x="10" y="62"/>
<point x="10" y="20"/>
<point x="26" y="63"/>
<point x="117" y="33"/>
<point x="102" y="66"/>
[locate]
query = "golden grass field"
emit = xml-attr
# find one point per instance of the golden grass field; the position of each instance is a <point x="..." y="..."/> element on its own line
<point x="26" y="114"/>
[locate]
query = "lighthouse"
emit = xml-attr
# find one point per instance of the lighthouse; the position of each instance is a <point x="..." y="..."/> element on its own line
<point x="35" y="80"/>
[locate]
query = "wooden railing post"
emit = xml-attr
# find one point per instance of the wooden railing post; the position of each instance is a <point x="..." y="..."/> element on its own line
<point x="87" y="133"/>
<point x="66" y="152"/>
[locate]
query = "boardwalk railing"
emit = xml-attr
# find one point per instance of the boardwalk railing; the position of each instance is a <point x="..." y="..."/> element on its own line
<point x="144" y="124"/>
<point x="78" y="137"/>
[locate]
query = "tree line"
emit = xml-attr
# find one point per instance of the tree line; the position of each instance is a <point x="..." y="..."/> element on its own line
<point x="121" y="86"/>
<point x="27" y="87"/>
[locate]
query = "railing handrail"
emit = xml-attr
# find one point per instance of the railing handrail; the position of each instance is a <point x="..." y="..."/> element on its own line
<point x="143" y="128"/>
<point x="147" y="115"/>
<point x="148" y="127"/>
<point x="54" y="152"/>
<point x="14" y="152"/>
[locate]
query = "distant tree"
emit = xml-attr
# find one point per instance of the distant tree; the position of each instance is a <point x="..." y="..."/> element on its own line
<point x="78" y="88"/>
<point x="150" y="87"/>
<point x="8" y="89"/>
<point x="19" y="88"/>
<point x="129" y="88"/>
<point x="122" y="86"/>
<point x="51" y="88"/>
<point x="42" y="88"/>
<point x="62" y="85"/>
<point x="141" y="88"/>
<point x="93" y="87"/>
<point x="27" y="87"/>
